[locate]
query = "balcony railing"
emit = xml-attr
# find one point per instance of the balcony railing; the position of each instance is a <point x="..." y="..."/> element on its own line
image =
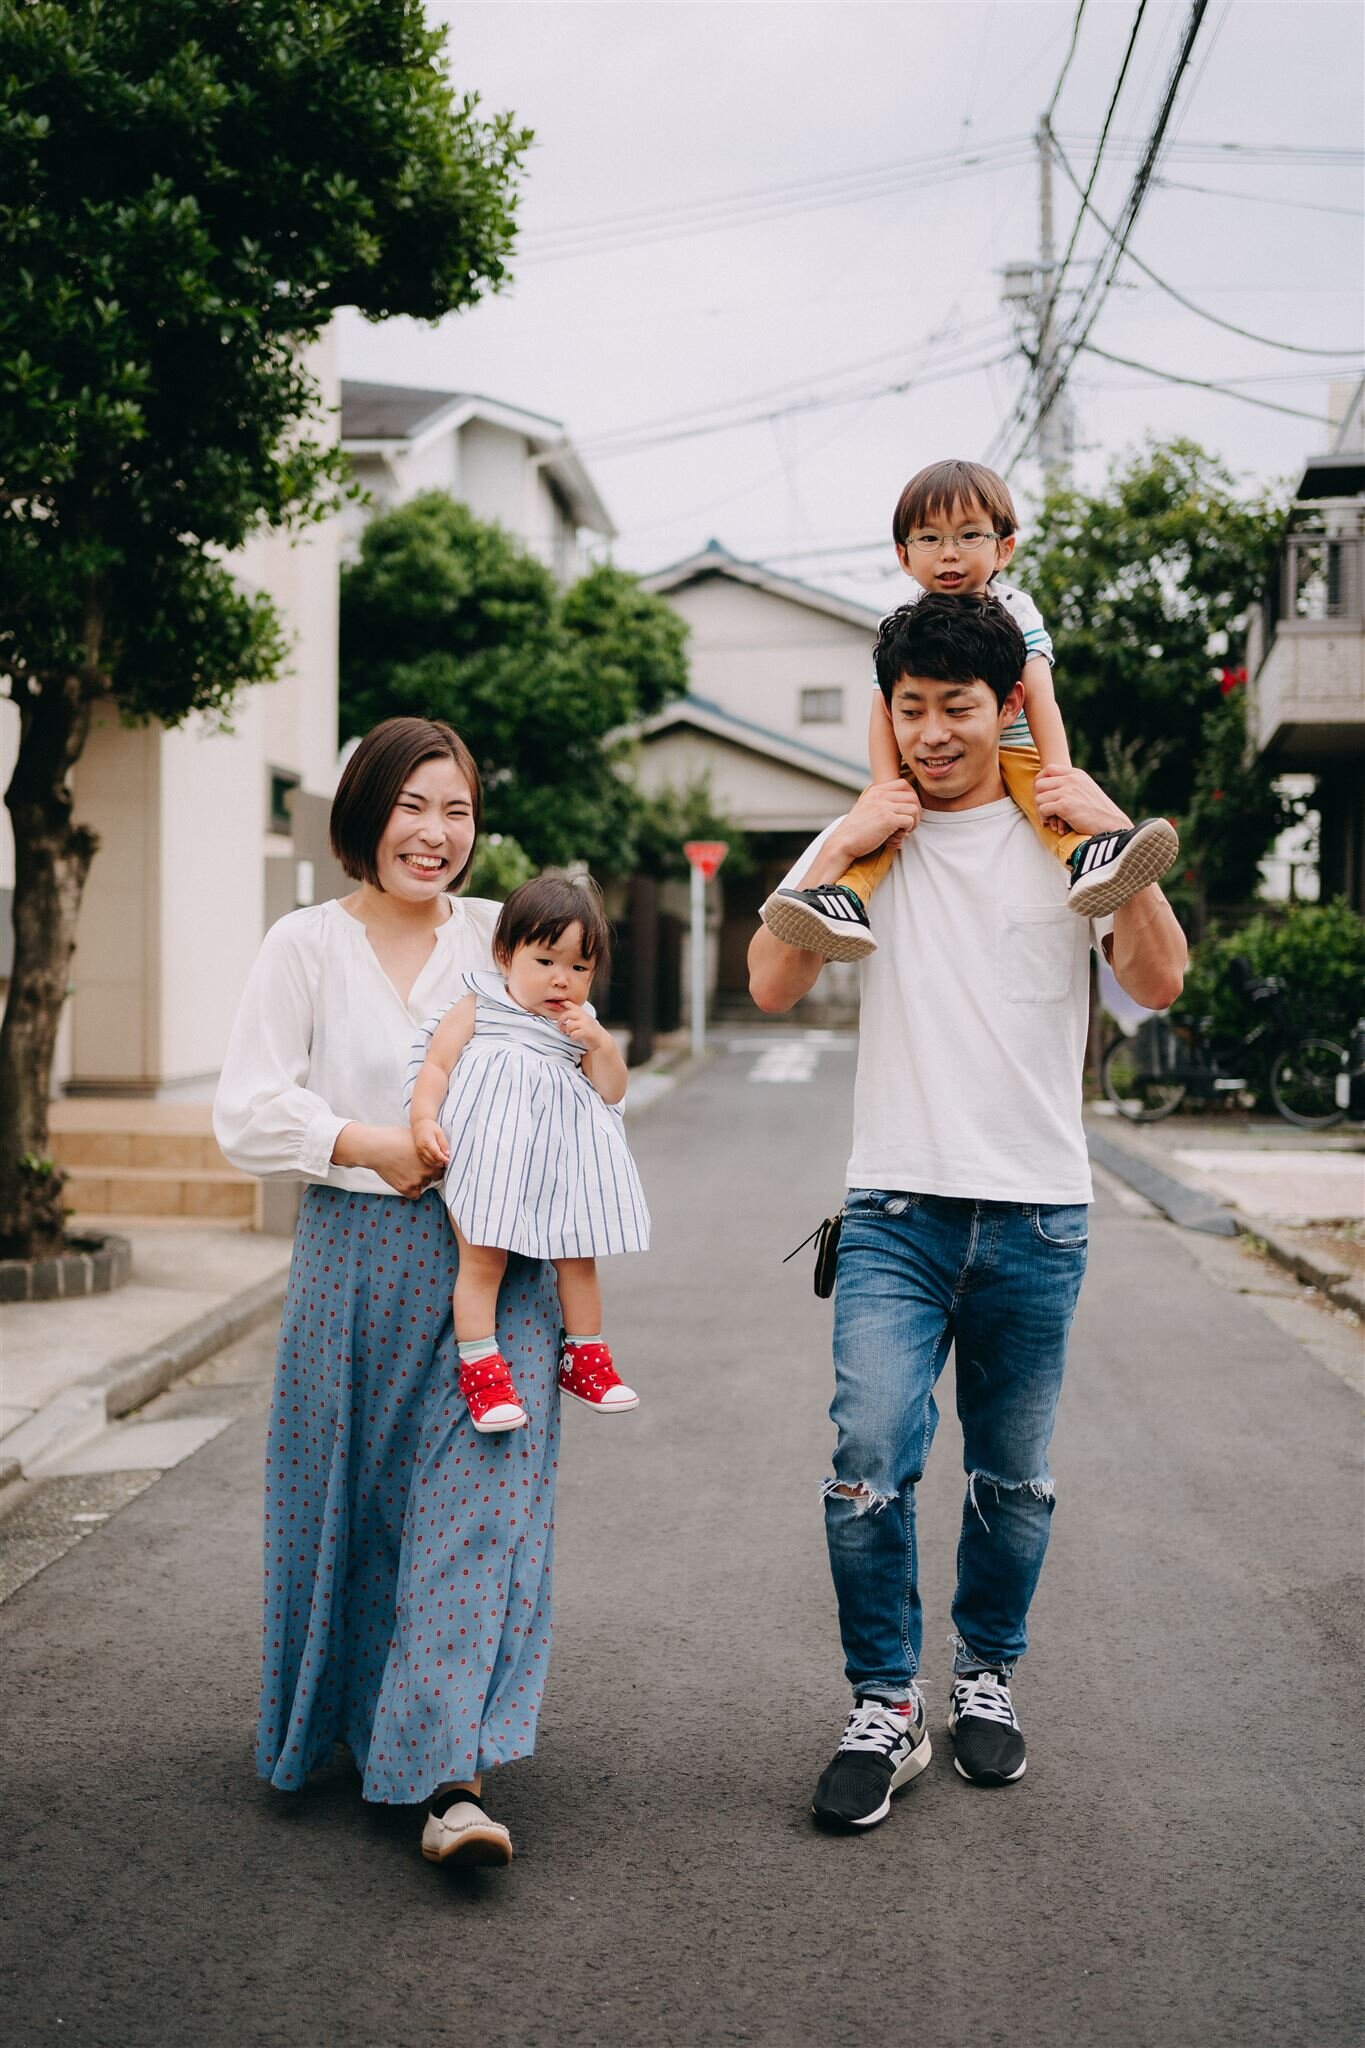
<point x="1320" y="583"/>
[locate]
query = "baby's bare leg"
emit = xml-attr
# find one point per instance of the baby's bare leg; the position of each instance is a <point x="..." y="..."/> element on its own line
<point x="883" y="753"/>
<point x="580" y="1296"/>
<point x="476" y="1288"/>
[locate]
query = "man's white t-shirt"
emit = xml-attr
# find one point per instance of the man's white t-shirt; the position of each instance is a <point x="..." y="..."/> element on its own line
<point x="974" y="1015"/>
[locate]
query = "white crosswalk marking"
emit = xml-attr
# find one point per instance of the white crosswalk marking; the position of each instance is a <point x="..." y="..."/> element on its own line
<point x="795" y="1062"/>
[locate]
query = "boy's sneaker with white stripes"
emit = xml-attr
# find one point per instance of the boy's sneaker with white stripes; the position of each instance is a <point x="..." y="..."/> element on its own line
<point x="881" y="1749"/>
<point x="988" y="1743"/>
<point x="1113" y="866"/>
<point x="831" y="922"/>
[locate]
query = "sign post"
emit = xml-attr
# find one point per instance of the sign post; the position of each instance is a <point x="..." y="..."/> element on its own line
<point x="705" y="856"/>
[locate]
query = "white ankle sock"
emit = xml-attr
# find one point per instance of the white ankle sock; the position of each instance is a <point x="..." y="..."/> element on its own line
<point x="595" y="1339"/>
<point x="477" y="1348"/>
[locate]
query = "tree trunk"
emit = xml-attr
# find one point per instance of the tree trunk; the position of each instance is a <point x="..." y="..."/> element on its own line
<point x="51" y="860"/>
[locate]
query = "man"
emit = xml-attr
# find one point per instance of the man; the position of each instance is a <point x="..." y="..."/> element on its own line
<point x="965" y="1221"/>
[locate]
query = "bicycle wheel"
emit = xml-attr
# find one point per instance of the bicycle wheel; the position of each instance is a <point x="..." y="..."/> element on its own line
<point x="1303" y="1083"/>
<point x="1137" y="1093"/>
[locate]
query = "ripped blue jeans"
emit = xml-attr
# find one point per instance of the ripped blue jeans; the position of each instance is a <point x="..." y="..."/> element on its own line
<point x="918" y="1275"/>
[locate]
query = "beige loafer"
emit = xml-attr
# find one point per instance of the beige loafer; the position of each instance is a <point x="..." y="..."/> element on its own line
<point x="464" y="1834"/>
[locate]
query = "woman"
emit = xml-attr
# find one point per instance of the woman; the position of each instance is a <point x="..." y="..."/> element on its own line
<point x="407" y="1558"/>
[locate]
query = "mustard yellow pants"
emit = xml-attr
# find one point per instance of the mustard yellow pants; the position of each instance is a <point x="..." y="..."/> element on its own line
<point x="1019" y="768"/>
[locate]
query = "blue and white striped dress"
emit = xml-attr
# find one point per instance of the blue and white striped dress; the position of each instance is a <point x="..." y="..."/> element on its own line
<point x="538" y="1162"/>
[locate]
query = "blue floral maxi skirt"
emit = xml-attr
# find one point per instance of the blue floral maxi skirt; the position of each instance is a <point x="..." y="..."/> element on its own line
<point x="407" y="1558"/>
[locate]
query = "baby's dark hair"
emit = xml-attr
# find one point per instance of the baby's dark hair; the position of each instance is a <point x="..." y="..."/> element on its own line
<point x="951" y="640"/>
<point x="540" y="912"/>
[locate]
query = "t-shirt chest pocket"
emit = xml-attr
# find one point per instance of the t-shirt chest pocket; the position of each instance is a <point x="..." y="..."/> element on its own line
<point x="1039" y="950"/>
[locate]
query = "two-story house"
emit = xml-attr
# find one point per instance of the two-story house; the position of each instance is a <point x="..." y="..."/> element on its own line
<point x="515" y="468"/>
<point x="775" y="718"/>
<point x="1306" y="655"/>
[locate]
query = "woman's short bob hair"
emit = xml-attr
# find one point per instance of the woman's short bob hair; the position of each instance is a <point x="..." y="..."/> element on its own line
<point x="540" y="912"/>
<point x="372" y="781"/>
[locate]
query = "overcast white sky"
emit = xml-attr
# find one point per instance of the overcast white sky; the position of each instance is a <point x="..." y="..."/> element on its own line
<point x="640" y="108"/>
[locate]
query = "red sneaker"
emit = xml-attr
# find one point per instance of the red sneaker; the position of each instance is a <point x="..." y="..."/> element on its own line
<point x="487" y="1386"/>
<point x="587" y="1373"/>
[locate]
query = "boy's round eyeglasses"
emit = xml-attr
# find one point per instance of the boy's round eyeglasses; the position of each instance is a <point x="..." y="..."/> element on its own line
<point x="930" y="543"/>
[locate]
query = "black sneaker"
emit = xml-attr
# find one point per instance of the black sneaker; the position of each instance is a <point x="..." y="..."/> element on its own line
<point x="1113" y="866"/>
<point x="879" y="1751"/>
<point x="987" y="1739"/>
<point x="830" y="922"/>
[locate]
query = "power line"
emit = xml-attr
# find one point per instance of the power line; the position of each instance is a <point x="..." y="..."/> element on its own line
<point x="1085" y="316"/>
<point x="1060" y="272"/>
<point x="759" y="204"/>
<point x="763" y="205"/>
<point x="802" y="385"/>
<point x="1066" y="61"/>
<point x="1289" y="155"/>
<point x="1259" y="198"/>
<point x="612" y="451"/>
<point x="1202" y="384"/>
<point x="1297" y="348"/>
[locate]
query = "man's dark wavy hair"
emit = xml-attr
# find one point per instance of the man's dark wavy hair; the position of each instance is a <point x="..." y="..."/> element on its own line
<point x="951" y="640"/>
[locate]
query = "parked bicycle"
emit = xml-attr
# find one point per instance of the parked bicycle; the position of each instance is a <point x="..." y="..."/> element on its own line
<point x="1169" y="1061"/>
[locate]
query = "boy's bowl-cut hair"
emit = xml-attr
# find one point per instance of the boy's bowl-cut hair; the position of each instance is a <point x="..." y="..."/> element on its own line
<point x="934" y="494"/>
<point x="540" y="912"/>
<point x="949" y="639"/>
<point x="372" y="782"/>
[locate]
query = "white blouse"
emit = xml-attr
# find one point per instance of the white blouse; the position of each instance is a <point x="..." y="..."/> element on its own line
<point x="322" y="1037"/>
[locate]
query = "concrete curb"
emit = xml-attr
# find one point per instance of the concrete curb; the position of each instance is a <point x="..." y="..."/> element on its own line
<point x="1192" y="1209"/>
<point x="80" y="1411"/>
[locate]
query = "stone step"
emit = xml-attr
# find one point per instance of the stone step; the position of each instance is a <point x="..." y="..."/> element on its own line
<point x="200" y="1194"/>
<point x="164" y="1151"/>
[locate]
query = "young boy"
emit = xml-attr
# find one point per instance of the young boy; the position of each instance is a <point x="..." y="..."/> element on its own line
<point x="954" y="529"/>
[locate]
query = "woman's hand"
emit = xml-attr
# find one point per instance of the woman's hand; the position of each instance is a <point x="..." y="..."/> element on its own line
<point x="430" y="1141"/>
<point x="389" y="1150"/>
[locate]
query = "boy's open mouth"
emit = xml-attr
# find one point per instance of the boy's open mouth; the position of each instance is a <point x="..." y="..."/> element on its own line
<point x="937" y="766"/>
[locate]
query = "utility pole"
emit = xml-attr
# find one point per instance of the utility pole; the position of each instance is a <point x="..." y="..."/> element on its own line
<point x="1030" y="296"/>
<point x="1052" y="436"/>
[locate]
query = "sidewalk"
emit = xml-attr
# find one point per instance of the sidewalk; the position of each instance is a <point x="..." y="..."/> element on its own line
<point x="1299" y="1193"/>
<point x="68" y="1368"/>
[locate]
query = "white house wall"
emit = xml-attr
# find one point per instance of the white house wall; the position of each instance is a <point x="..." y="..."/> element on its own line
<point x="175" y="907"/>
<point x="761" y="794"/>
<point x="213" y="846"/>
<point x="116" y="974"/>
<point x="753" y="652"/>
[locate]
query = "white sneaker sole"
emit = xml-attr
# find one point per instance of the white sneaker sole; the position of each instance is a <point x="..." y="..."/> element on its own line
<point x="476" y="1846"/>
<point x="599" y="1407"/>
<point x="917" y="1761"/>
<point x="795" y="925"/>
<point x="501" y="1428"/>
<point x="1144" y="859"/>
<point x="987" y="1783"/>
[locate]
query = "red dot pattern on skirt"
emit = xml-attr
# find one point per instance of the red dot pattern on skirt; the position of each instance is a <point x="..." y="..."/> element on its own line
<point x="407" y="1558"/>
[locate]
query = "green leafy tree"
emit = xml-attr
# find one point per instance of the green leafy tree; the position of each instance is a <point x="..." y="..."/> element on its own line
<point x="1316" y="949"/>
<point x="446" y="616"/>
<point x="671" y="816"/>
<point x="1146" y="587"/>
<point x="188" y="190"/>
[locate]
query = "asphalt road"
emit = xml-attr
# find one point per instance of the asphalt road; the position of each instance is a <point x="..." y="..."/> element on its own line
<point x="1175" y="1869"/>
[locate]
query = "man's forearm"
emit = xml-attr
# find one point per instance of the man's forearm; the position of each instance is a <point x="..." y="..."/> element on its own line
<point x="779" y="975"/>
<point x="1148" y="950"/>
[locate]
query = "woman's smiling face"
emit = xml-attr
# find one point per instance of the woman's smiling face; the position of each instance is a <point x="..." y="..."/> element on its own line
<point x="430" y="834"/>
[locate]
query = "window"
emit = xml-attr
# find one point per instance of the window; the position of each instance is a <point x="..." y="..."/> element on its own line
<point x="822" y="707"/>
<point x="282" y="786"/>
